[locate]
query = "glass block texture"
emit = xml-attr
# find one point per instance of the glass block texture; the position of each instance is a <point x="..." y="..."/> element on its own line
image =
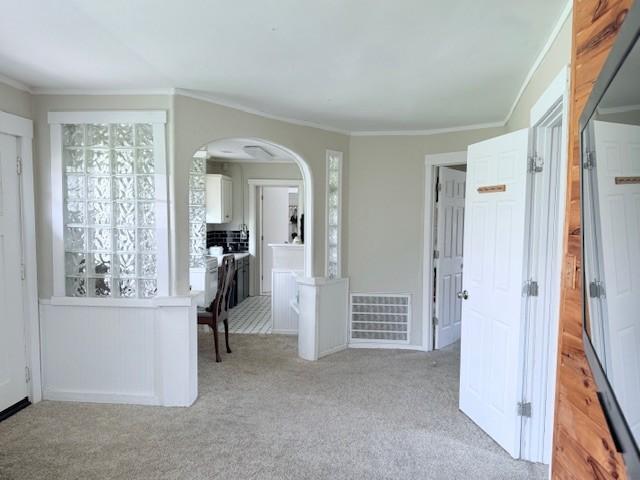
<point x="197" y="213"/>
<point x="109" y="210"/>
<point x="333" y="214"/>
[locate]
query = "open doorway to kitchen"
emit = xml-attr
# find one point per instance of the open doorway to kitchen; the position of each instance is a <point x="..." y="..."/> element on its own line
<point x="247" y="201"/>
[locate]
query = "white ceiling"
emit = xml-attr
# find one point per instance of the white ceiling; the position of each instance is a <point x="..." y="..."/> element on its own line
<point x="232" y="150"/>
<point x="356" y="65"/>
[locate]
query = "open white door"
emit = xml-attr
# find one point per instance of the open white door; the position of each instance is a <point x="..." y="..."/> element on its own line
<point x="274" y="213"/>
<point x="617" y="152"/>
<point x="13" y="387"/>
<point x="491" y="358"/>
<point x="449" y="245"/>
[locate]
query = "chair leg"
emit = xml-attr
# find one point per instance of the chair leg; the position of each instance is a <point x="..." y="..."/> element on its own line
<point x="226" y="334"/>
<point x="215" y="340"/>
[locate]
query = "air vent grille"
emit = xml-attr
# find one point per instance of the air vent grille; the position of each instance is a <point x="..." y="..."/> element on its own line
<point x="380" y="318"/>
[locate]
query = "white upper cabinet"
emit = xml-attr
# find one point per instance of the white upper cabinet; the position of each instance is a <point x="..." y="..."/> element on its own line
<point x="219" y="199"/>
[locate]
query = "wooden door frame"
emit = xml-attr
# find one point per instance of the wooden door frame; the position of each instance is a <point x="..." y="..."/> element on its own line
<point x="22" y="129"/>
<point x="255" y="247"/>
<point x="431" y="163"/>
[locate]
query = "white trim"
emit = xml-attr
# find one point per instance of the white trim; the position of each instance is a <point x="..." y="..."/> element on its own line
<point x="566" y="11"/>
<point x="155" y="302"/>
<point x="254" y="184"/>
<point x="552" y="95"/>
<point x="326" y="213"/>
<point x="434" y="131"/>
<point x="15" y="83"/>
<point x="105" y="91"/>
<point x="206" y="97"/>
<point x="99" y="397"/>
<point x="431" y="162"/>
<point x="390" y="346"/>
<point x="623" y="109"/>
<point x="22" y="129"/>
<point x="109" y="116"/>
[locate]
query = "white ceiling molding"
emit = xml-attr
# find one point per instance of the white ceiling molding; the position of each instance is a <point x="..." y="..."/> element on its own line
<point x="81" y="91"/>
<point x="435" y="131"/>
<point x="15" y="83"/>
<point x="623" y="109"/>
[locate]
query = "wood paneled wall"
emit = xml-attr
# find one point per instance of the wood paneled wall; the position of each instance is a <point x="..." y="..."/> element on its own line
<point x="583" y="448"/>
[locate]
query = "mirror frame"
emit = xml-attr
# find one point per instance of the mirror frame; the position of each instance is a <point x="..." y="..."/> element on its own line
<point x="623" y="438"/>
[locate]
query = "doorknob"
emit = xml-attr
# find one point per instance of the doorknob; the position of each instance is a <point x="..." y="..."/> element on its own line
<point x="463" y="295"/>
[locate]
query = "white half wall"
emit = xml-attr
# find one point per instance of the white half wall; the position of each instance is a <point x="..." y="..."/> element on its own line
<point x="143" y="352"/>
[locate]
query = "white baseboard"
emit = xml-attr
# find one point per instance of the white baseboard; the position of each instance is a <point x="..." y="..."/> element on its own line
<point x="284" y="332"/>
<point x="99" y="397"/>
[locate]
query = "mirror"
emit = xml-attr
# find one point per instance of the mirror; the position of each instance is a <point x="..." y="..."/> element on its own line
<point x="611" y="235"/>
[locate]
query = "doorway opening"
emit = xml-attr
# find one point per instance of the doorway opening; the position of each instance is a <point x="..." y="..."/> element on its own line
<point x="248" y="200"/>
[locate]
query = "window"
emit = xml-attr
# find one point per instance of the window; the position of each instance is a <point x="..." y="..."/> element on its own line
<point x="197" y="212"/>
<point x="334" y="203"/>
<point x="109" y="204"/>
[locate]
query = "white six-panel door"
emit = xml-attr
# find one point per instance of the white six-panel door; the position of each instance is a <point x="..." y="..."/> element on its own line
<point x="13" y="387"/>
<point x="449" y="245"/>
<point x="491" y="356"/>
<point x="618" y="155"/>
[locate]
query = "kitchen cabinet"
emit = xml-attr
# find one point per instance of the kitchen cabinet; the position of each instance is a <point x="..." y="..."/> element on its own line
<point x="241" y="286"/>
<point x="219" y="199"/>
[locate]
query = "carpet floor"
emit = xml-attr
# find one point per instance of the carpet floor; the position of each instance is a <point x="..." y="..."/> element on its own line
<point x="265" y="414"/>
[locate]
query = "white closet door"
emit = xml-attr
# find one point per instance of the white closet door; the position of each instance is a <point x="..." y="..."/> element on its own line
<point x="491" y="346"/>
<point x="618" y="155"/>
<point x="275" y="228"/>
<point x="450" y="247"/>
<point x="13" y="386"/>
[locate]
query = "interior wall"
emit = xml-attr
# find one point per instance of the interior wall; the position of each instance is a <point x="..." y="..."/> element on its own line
<point x="240" y="173"/>
<point x="385" y="186"/>
<point x="198" y="122"/>
<point x="15" y="101"/>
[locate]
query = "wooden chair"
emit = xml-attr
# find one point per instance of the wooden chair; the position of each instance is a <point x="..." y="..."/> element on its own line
<point x="219" y="308"/>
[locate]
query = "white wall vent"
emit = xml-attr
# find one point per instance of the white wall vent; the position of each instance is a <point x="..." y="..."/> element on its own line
<point x="380" y="318"/>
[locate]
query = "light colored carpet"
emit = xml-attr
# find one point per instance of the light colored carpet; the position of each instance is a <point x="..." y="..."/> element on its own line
<point x="251" y="316"/>
<point x="265" y="414"/>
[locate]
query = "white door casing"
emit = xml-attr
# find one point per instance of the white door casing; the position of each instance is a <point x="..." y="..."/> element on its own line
<point x="617" y="150"/>
<point x="274" y="221"/>
<point x="491" y="339"/>
<point x="449" y="246"/>
<point x="13" y="386"/>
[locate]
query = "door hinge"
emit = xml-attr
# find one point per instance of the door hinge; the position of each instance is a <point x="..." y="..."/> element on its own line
<point x="524" y="409"/>
<point x="435" y="320"/>
<point x="436" y="254"/>
<point x="530" y="288"/>
<point x="19" y="165"/>
<point x="596" y="289"/>
<point x="535" y="164"/>
<point x="27" y="375"/>
<point x="590" y="160"/>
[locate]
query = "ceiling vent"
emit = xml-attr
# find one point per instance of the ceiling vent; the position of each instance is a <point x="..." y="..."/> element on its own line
<point x="258" y="152"/>
<point x="380" y="318"/>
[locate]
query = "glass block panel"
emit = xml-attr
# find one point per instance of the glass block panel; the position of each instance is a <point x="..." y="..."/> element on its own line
<point x="146" y="240"/>
<point x="146" y="214"/>
<point x="333" y="235"/>
<point x="98" y="135"/>
<point x="198" y="230"/>
<point x="73" y="159"/>
<point x="144" y="134"/>
<point x="147" y="288"/>
<point x="99" y="213"/>
<point x="100" y="287"/>
<point x="74" y="213"/>
<point x="122" y="134"/>
<point x="126" y="265"/>
<point x="146" y="187"/>
<point x="333" y="254"/>
<point x="197" y="214"/>
<point x="125" y="214"/>
<point x="197" y="246"/>
<point x="75" y="187"/>
<point x="75" y="263"/>
<point x="75" y="239"/>
<point x="98" y="162"/>
<point x="197" y="197"/>
<point x="196" y="261"/>
<point x="73" y="135"/>
<point x="99" y="239"/>
<point x="125" y="239"/>
<point x="127" y="287"/>
<point x="124" y="188"/>
<point x="76" y="287"/>
<point x="99" y="188"/>
<point x="198" y="166"/>
<point x="197" y="182"/>
<point x="333" y="217"/>
<point x="334" y="179"/>
<point x="101" y="264"/>
<point x="333" y="270"/>
<point x="333" y="199"/>
<point x="123" y="162"/>
<point x="145" y="162"/>
<point x="148" y="265"/>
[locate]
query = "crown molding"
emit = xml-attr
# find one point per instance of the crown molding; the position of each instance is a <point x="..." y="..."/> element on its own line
<point x="15" y="83"/>
<point x="434" y="131"/>
<point x="107" y="91"/>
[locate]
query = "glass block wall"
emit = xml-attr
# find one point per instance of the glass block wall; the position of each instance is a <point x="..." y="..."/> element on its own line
<point x="109" y="210"/>
<point x="197" y="213"/>
<point x="333" y="213"/>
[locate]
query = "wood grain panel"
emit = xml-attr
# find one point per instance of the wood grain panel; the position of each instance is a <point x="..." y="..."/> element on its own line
<point x="582" y="444"/>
